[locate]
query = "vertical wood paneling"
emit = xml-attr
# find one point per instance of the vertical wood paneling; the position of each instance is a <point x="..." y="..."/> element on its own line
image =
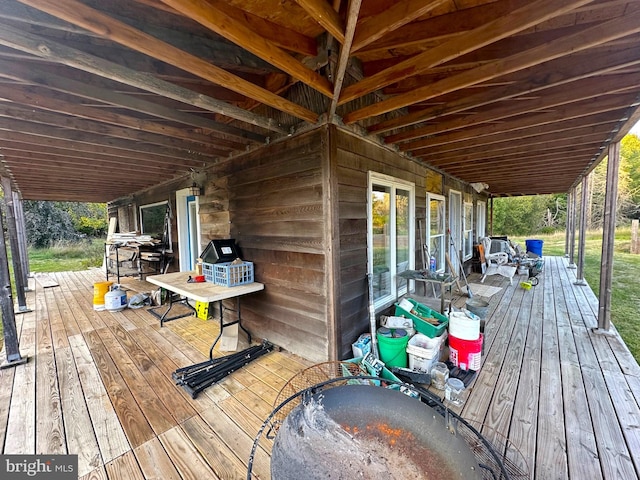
<point x="273" y="202"/>
<point x="354" y="157"/>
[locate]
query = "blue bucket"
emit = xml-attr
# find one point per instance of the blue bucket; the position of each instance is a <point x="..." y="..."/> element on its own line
<point x="534" y="246"/>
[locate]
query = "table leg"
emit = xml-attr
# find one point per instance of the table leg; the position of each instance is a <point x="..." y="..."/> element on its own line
<point x="228" y="324"/>
<point x="163" y="317"/>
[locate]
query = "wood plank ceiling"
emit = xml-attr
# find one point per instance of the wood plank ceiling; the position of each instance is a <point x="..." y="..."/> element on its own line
<point x="100" y="99"/>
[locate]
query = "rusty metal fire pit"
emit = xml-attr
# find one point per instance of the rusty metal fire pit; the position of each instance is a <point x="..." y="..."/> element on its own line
<point x="363" y="431"/>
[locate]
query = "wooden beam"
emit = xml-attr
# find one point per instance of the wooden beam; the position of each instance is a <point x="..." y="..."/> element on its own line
<point x="514" y="130"/>
<point x="45" y="78"/>
<point x="535" y="119"/>
<point x="59" y="53"/>
<point x="399" y="14"/>
<point x="345" y="49"/>
<point x="22" y="237"/>
<point x="502" y="27"/>
<point x="69" y="120"/>
<point x="214" y="15"/>
<point x="78" y="14"/>
<point x="30" y="142"/>
<point x="161" y="154"/>
<point x="557" y="72"/>
<point x="535" y="146"/>
<point x="553" y="98"/>
<point x="321" y="12"/>
<point x="590" y="37"/>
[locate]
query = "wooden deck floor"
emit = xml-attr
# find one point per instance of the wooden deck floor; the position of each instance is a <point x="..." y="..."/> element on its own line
<point x="98" y="384"/>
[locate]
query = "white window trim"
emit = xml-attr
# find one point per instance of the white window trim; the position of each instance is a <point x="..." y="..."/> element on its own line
<point x="435" y="196"/>
<point x="481" y="219"/>
<point x="455" y="217"/>
<point x="394" y="183"/>
<point x="467" y="230"/>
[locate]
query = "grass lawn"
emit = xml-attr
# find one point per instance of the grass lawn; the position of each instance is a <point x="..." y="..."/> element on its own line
<point x="67" y="257"/>
<point x="625" y="301"/>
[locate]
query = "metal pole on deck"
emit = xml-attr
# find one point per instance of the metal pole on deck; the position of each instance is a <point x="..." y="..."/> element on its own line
<point x="11" y="344"/>
<point x="584" y="198"/>
<point x="21" y="228"/>
<point x="13" y="242"/>
<point x="608" y="236"/>
<point x="567" y="226"/>
<point x="572" y="232"/>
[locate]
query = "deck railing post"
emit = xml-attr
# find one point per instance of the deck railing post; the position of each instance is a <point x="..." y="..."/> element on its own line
<point x="13" y="242"/>
<point x="21" y="229"/>
<point x="608" y="236"/>
<point x="572" y="231"/>
<point x="11" y="344"/>
<point x="567" y="226"/>
<point x="584" y="198"/>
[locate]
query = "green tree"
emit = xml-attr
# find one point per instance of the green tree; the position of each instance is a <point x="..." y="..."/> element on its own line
<point x="51" y="222"/>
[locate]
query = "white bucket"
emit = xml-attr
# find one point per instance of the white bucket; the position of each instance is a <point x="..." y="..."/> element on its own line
<point x="115" y="300"/>
<point x="463" y="327"/>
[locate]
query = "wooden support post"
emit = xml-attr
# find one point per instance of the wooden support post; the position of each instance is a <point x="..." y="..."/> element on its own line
<point x="608" y="237"/>
<point x="10" y="332"/>
<point x="572" y="231"/>
<point x="491" y="216"/>
<point x="583" y="230"/>
<point x="567" y="228"/>
<point x="635" y="241"/>
<point x="21" y="229"/>
<point x="13" y="242"/>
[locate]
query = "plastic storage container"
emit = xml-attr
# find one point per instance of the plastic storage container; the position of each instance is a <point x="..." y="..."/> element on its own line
<point x="534" y="246"/>
<point x="393" y="350"/>
<point x="418" y="313"/>
<point x="424" y="351"/>
<point x="463" y="327"/>
<point x="228" y="274"/>
<point x="466" y="354"/>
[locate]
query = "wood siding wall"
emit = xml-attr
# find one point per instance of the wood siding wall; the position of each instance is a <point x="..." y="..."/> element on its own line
<point x="355" y="157"/>
<point x="273" y="202"/>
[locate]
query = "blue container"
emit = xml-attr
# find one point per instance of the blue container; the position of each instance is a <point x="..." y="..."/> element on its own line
<point x="534" y="246"/>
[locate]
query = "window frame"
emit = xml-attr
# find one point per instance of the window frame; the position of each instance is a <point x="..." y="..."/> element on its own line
<point x="395" y="184"/>
<point x="152" y="205"/>
<point x="467" y="231"/>
<point x="442" y="237"/>
<point x="481" y="220"/>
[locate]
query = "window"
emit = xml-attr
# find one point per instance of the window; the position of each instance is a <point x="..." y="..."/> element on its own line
<point x="481" y="220"/>
<point x="391" y="235"/>
<point x="467" y="233"/>
<point x="437" y="229"/>
<point x="152" y="221"/>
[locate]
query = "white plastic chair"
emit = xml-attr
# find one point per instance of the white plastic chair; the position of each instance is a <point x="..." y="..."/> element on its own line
<point x="496" y="259"/>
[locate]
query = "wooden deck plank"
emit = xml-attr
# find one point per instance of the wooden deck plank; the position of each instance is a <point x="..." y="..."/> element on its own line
<point x="238" y="441"/>
<point x="567" y="398"/>
<point x="215" y="452"/>
<point x="133" y="421"/>
<point x="551" y="456"/>
<point x="50" y="435"/>
<point x="155" y="412"/>
<point x="110" y="436"/>
<point x="6" y="390"/>
<point x="582" y="462"/>
<point x="97" y="474"/>
<point x="21" y="429"/>
<point x="125" y="466"/>
<point x="185" y="455"/>
<point x="154" y="461"/>
<point x="78" y="429"/>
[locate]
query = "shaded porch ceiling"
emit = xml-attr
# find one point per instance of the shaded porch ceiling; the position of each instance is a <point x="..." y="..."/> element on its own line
<point x="100" y="99"/>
